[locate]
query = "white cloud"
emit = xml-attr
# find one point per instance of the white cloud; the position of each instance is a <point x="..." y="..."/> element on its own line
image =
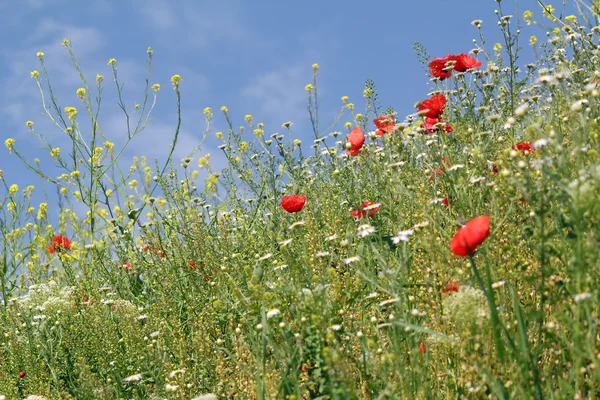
<point x="280" y="95"/>
<point x="193" y="25"/>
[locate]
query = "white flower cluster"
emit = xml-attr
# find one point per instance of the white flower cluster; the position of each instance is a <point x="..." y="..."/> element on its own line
<point x="467" y="306"/>
<point x="48" y="297"/>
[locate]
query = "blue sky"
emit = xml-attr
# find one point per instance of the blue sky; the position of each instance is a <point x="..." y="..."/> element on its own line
<point x="253" y="57"/>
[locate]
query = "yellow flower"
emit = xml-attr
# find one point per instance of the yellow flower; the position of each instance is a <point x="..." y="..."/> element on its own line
<point x="548" y="12"/>
<point x="219" y="135"/>
<point x="71" y="112"/>
<point x="30" y="210"/>
<point x="571" y="19"/>
<point x="244" y="147"/>
<point x="224" y="109"/>
<point x="75" y="174"/>
<point x="40" y="54"/>
<point x="99" y="78"/>
<point x="350" y="106"/>
<point x="527" y="15"/>
<point x="309" y="88"/>
<point x="109" y="146"/>
<point x="149" y="51"/>
<point x="203" y="161"/>
<point x="9" y="143"/>
<point x="248" y="117"/>
<point x="156" y="87"/>
<point x="497" y="47"/>
<point x="29" y="123"/>
<point x="81" y="93"/>
<point x="344" y="99"/>
<point x="259" y="132"/>
<point x="133" y="183"/>
<point x="368" y="92"/>
<point x="34" y="74"/>
<point x="533" y="40"/>
<point x="175" y="79"/>
<point x="14" y="188"/>
<point x="112" y="61"/>
<point x="11" y="206"/>
<point x="109" y="192"/>
<point x="359" y="116"/>
<point x="297" y="142"/>
<point x="260" y="125"/>
<point x="55" y="153"/>
<point x="66" y="42"/>
<point x="348" y="125"/>
<point x="315" y="67"/>
<point x="212" y="182"/>
<point x="208" y="111"/>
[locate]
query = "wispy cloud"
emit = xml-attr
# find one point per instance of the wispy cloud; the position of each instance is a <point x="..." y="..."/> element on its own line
<point x="279" y="94"/>
<point x="193" y="25"/>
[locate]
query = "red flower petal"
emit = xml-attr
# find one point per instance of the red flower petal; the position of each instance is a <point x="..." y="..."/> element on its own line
<point x="471" y="235"/>
<point x="437" y="67"/>
<point x="293" y="203"/>
<point x="360" y="212"/>
<point x="59" y="243"/>
<point x="451" y="287"/>
<point x="384" y="124"/>
<point x="464" y="62"/>
<point x="434" y="106"/>
<point x="356" y="137"/>
<point x="356" y="140"/>
<point x="523" y="147"/>
<point x="439" y="171"/>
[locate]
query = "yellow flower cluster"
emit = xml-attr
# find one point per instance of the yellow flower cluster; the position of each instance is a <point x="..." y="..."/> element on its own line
<point x="9" y="143"/>
<point x="203" y="161"/>
<point x="71" y="112"/>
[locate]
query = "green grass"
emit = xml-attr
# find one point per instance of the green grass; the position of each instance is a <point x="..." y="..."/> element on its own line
<point x="176" y="287"/>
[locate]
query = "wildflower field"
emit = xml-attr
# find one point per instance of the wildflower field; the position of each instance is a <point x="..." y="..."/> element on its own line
<point x="451" y="251"/>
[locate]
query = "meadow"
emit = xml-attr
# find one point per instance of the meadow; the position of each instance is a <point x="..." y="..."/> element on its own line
<point x="451" y="251"/>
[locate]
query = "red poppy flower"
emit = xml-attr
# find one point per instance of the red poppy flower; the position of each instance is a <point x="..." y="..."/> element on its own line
<point x="356" y="140"/>
<point x="293" y="203"/>
<point x="59" y="243"/>
<point x="22" y="374"/>
<point x="523" y="147"/>
<point x="384" y="125"/>
<point x="434" y="106"/>
<point x="439" y="171"/>
<point x="494" y="167"/>
<point x="422" y="348"/>
<point x="367" y="209"/>
<point x="445" y="201"/>
<point x="192" y="265"/>
<point x="451" y="287"/>
<point x="437" y="67"/>
<point x="471" y="235"/>
<point x="430" y="125"/>
<point x="464" y="62"/>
